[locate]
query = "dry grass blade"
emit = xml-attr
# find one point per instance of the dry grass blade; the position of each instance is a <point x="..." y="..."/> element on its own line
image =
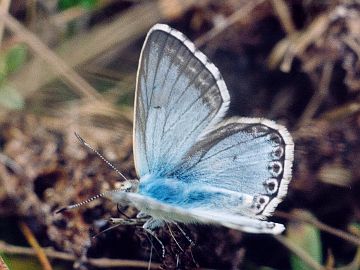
<point x="7" y="161"/>
<point x="35" y="245"/>
<point x="68" y="15"/>
<point x="120" y="32"/>
<point x="341" y="112"/>
<point x="100" y="263"/>
<point x="239" y="15"/>
<point x="284" y="14"/>
<point x="353" y="44"/>
<point x="75" y="12"/>
<point x="311" y="34"/>
<point x="4" y="7"/>
<point x="319" y="95"/>
<point x="174" y="9"/>
<point x="69" y="75"/>
<point x="296" y="43"/>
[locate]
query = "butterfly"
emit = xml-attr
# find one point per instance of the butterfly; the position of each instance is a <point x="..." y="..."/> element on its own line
<point x="194" y="165"/>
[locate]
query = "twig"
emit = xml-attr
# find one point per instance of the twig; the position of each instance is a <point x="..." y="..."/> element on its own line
<point x="4" y="7"/>
<point x="284" y="15"/>
<point x="35" y="245"/>
<point x="319" y="95"/>
<point x="295" y="44"/>
<point x="353" y="44"/>
<point x="341" y="112"/>
<point x="321" y="226"/>
<point x="12" y="164"/>
<point x="68" y="15"/>
<point x="299" y="252"/>
<point x="69" y="75"/>
<point x="100" y="263"/>
<point x="237" y="16"/>
<point x="73" y="13"/>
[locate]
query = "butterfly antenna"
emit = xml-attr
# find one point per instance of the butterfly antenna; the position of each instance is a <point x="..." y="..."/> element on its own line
<point x="99" y="155"/>
<point x="77" y="205"/>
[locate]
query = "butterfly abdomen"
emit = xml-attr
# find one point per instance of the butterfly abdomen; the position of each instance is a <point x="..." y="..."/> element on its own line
<point x="180" y="194"/>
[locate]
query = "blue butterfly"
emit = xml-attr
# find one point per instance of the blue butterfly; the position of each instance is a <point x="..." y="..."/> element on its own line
<point x="194" y="165"/>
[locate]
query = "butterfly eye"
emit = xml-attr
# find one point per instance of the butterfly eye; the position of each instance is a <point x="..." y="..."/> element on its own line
<point x="127" y="186"/>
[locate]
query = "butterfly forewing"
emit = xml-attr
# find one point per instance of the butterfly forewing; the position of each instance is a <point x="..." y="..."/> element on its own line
<point x="179" y="95"/>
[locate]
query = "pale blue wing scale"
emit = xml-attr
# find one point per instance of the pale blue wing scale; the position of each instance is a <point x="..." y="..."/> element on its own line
<point x="179" y="95"/>
<point x="246" y="155"/>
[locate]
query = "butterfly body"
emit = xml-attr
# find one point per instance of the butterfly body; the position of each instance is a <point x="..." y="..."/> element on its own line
<point x="181" y="194"/>
<point x="195" y="165"/>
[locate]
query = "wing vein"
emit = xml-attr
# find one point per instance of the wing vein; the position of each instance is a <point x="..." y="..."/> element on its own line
<point x="172" y="89"/>
<point x="161" y="53"/>
<point x="231" y="146"/>
<point x="185" y="139"/>
<point x="191" y="104"/>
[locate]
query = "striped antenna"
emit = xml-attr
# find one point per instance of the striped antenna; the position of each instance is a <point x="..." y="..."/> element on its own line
<point x="101" y="156"/>
<point x="77" y="205"/>
<point x="70" y="207"/>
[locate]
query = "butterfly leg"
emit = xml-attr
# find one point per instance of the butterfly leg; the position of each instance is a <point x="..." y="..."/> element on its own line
<point x="141" y="215"/>
<point x="151" y="252"/>
<point x="192" y="243"/>
<point x="173" y="236"/>
<point x="149" y="227"/>
<point x="185" y="235"/>
<point x="129" y="222"/>
<point x="140" y="220"/>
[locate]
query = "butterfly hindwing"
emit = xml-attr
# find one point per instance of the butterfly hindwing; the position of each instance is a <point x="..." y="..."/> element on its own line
<point x="179" y="94"/>
<point x="246" y="155"/>
<point x="210" y="216"/>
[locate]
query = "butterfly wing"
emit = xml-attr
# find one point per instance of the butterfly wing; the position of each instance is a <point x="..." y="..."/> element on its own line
<point x="197" y="215"/>
<point x="250" y="156"/>
<point x="179" y="132"/>
<point x="179" y="93"/>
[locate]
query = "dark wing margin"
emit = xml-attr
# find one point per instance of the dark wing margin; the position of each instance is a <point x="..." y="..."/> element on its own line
<point x="179" y="95"/>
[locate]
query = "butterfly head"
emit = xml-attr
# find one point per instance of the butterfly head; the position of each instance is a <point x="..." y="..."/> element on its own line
<point x="129" y="185"/>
